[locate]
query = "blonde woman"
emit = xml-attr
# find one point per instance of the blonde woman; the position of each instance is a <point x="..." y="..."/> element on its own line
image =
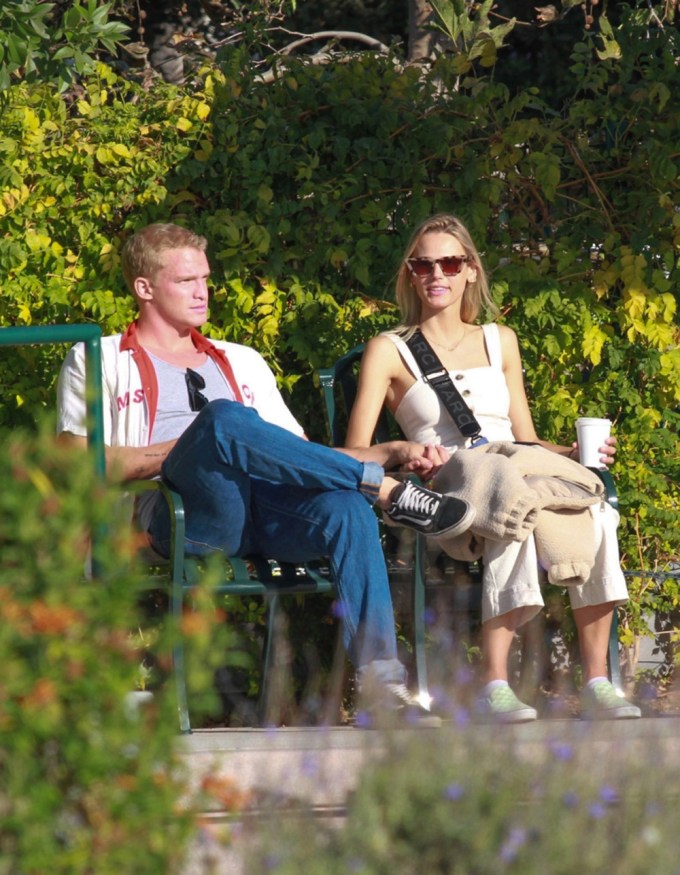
<point x="442" y="289"/>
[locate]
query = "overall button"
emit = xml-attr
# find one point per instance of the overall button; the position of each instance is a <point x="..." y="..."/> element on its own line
<point x="459" y="376"/>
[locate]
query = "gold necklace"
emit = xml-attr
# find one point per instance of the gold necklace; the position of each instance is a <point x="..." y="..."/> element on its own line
<point x="441" y="346"/>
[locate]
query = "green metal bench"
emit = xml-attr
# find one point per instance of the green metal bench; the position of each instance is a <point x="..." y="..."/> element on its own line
<point x="255" y="576"/>
<point x="250" y="576"/>
<point x="338" y="384"/>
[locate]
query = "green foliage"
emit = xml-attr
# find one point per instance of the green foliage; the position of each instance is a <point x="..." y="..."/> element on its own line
<point x="87" y="783"/>
<point x="73" y="181"/>
<point x="472" y="33"/>
<point x="308" y="187"/>
<point x="463" y="802"/>
<point x="37" y="43"/>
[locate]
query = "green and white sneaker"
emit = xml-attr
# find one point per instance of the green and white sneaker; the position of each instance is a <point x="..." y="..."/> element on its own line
<point x="501" y="705"/>
<point x="602" y="702"/>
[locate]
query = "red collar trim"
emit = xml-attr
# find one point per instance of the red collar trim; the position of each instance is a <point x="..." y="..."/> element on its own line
<point x="130" y="341"/>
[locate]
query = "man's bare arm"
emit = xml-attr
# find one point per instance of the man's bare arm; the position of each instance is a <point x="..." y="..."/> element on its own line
<point x="127" y="463"/>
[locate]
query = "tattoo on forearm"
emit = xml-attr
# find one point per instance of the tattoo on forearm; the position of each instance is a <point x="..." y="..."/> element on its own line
<point x="145" y="468"/>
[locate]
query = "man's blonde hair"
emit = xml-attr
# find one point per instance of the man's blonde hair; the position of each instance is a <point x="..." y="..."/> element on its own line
<point x="142" y="254"/>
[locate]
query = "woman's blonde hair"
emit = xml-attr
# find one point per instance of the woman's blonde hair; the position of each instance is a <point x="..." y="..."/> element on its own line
<point x="476" y="296"/>
<point x="142" y="254"/>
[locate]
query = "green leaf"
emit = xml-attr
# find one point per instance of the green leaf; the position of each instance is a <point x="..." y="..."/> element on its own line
<point x="449" y="19"/>
<point x="611" y="50"/>
<point x="73" y="17"/>
<point x="63" y="53"/>
<point x="16" y="49"/>
<point x="547" y="170"/>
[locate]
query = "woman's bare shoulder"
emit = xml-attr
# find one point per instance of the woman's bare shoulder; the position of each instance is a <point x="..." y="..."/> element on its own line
<point x="383" y="356"/>
<point x="381" y="343"/>
<point x="505" y="331"/>
<point x="508" y="337"/>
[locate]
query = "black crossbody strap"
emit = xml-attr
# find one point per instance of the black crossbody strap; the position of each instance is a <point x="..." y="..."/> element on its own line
<point x="437" y="376"/>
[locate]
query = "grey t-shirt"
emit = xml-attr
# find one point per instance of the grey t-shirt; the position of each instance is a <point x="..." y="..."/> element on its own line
<point x="174" y="414"/>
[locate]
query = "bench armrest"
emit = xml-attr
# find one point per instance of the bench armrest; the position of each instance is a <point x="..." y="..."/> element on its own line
<point x="177" y="525"/>
<point x="609" y="486"/>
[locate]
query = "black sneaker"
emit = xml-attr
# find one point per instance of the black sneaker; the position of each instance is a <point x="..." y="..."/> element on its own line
<point x="395" y="706"/>
<point x="429" y="512"/>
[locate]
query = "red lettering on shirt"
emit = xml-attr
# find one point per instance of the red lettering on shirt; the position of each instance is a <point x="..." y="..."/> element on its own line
<point x="248" y="395"/>
<point x="123" y="401"/>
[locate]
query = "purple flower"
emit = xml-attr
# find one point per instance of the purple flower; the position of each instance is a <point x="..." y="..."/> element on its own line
<point x="363" y="720"/>
<point x="562" y="750"/>
<point x="508" y="853"/>
<point x="512" y="844"/>
<point x="461" y="717"/>
<point x="597" y="810"/>
<point x="454" y="792"/>
<point x="608" y="795"/>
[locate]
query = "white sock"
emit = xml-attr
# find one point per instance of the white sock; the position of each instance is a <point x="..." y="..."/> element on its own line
<point x="492" y="686"/>
<point x="591" y="683"/>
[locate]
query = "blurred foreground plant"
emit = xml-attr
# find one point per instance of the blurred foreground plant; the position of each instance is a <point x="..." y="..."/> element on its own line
<point x="87" y="782"/>
<point x="468" y="802"/>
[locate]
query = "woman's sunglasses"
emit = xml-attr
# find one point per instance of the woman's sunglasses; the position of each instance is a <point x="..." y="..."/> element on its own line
<point x="450" y="265"/>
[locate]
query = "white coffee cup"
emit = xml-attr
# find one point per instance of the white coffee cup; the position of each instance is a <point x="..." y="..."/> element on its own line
<point x="591" y="434"/>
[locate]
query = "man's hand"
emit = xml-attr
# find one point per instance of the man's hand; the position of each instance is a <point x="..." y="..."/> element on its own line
<point x="425" y="460"/>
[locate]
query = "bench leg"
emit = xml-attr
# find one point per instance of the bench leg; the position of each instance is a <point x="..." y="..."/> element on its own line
<point x="265" y="705"/>
<point x="419" y="619"/>
<point x="181" y="689"/>
<point x="178" y="660"/>
<point x="614" y="662"/>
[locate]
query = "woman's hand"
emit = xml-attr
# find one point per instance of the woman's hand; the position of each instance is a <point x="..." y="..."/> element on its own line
<point x="426" y="460"/>
<point x="607" y="452"/>
<point x="421" y="459"/>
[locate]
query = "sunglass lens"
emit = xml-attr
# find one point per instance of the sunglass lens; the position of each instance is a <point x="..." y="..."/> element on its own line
<point x="421" y="267"/>
<point x="451" y="264"/>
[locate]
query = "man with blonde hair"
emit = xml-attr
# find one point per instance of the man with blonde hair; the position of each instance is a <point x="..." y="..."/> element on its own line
<point x="207" y="417"/>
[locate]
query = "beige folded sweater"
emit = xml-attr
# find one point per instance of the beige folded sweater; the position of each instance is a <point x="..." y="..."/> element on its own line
<point x="517" y="489"/>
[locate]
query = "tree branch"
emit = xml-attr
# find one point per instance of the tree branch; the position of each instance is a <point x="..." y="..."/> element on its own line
<point x="323" y="56"/>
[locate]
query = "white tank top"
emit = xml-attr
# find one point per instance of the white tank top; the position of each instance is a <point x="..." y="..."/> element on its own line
<point x="423" y="418"/>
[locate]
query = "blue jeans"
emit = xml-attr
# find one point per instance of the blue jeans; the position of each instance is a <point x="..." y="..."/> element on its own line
<point x="251" y="487"/>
